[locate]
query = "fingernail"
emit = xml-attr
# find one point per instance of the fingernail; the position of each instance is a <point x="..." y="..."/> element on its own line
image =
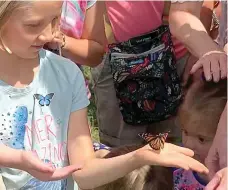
<point x="208" y="78"/>
<point x="206" y="171"/>
<point x="216" y="80"/>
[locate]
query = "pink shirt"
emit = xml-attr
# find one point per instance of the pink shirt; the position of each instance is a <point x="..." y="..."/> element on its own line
<point x="133" y="18"/>
<point x="187" y="180"/>
<point x="72" y="21"/>
<point x="73" y="16"/>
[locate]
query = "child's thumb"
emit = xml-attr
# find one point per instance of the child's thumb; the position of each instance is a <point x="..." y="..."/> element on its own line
<point x="213" y="184"/>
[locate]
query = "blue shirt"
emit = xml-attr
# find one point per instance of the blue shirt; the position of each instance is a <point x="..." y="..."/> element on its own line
<point x="36" y="118"/>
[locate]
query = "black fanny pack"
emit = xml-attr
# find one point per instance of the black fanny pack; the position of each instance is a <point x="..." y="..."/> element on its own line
<point x="145" y="78"/>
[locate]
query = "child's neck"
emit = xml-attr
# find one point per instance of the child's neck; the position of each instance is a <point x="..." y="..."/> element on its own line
<point x="16" y="71"/>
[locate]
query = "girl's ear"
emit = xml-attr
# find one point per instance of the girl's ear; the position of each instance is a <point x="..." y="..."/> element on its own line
<point x="3" y="46"/>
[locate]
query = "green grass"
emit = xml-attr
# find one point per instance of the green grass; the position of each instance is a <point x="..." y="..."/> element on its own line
<point x="92" y="107"/>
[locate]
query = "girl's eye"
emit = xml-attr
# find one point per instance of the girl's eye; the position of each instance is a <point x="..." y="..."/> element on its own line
<point x="201" y="140"/>
<point x="33" y="25"/>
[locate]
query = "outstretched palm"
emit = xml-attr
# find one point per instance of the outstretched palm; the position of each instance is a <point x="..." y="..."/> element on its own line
<point x="43" y="171"/>
<point x="171" y="156"/>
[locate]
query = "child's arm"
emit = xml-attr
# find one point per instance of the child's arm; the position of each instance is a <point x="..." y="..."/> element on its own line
<point x="190" y="31"/>
<point x="10" y="157"/>
<point x="27" y="161"/>
<point x="97" y="172"/>
<point x="91" y="45"/>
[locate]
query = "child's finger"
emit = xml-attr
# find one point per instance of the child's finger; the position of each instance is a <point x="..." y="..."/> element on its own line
<point x="215" y="68"/>
<point x="196" y="165"/>
<point x="57" y="40"/>
<point x="214" y="183"/>
<point x="183" y="150"/>
<point x="179" y="163"/>
<point x="196" y="66"/>
<point x="181" y="160"/>
<point x="223" y="66"/>
<point x="207" y="70"/>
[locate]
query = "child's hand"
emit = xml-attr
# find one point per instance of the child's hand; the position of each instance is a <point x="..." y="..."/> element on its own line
<point x="170" y="156"/>
<point x="214" y="65"/>
<point x="42" y="171"/>
<point x="219" y="181"/>
<point x="58" y="41"/>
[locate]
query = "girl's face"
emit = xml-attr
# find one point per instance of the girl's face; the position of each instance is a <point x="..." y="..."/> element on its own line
<point x="29" y="27"/>
<point x="199" y="142"/>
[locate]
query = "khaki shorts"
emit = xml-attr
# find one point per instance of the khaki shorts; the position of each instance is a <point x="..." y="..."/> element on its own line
<point x="113" y="130"/>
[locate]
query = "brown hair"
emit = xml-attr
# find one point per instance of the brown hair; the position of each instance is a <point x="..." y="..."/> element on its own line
<point x="144" y="178"/>
<point x="203" y="105"/>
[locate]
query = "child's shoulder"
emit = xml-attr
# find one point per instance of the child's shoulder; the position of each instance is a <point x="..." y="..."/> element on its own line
<point x="62" y="66"/>
<point x="81" y="5"/>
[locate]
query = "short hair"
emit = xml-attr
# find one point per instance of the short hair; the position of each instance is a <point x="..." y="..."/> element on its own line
<point x="144" y="178"/>
<point x="203" y="105"/>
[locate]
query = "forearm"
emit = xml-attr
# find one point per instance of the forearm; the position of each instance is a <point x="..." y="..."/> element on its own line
<point x="9" y="157"/>
<point x="83" y="51"/>
<point x="98" y="172"/>
<point x="191" y="32"/>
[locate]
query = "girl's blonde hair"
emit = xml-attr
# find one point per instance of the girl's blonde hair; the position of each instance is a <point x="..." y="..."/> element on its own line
<point x="6" y="8"/>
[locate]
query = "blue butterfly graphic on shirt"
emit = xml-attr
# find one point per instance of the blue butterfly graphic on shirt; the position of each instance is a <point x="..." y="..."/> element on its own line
<point x="44" y="100"/>
<point x="20" y="118"/>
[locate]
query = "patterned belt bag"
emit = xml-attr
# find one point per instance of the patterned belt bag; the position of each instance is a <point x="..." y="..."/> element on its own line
<point x="145" y="77"/>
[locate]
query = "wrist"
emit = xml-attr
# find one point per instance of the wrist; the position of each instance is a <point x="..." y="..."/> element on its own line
<point x="17" y="161"/>
<point x="138" y="158"/>
<point x="207" y="48"/>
